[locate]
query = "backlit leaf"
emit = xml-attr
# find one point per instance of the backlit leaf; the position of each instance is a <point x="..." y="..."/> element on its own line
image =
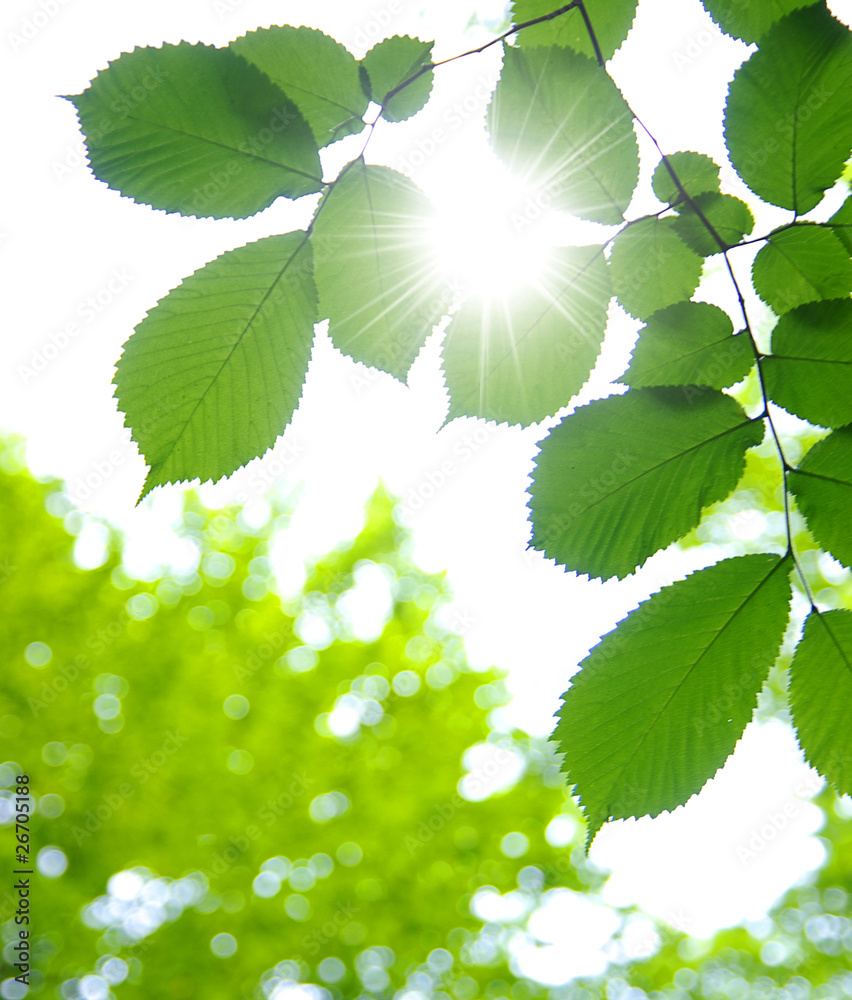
<point x="689" y="343"/>
<point x="317" y="73"/>
<point x="652" y="267"/>
<point x="611" y="19"/>
<point x="581" y="151"/>
<point x="821" y="695"/>
<point x="392" y="62"/>
<point x="196" y="130"/>
<point x="749" y="20"/>
<point x="377" y="271"/>
<point x="841" y="224"/>
<point x="810" y="370"/>
<point x="697" y="173"/>
<point x="660" y="703"/>
<point x="802" y="264"/>
<point x="625" y="476"/>
<point x="822" y="486"/>
<point x="788" y="120"/>
<point x="214" y="372"/>
<point x="521" y="359"/>
<point x="730" y="218"/>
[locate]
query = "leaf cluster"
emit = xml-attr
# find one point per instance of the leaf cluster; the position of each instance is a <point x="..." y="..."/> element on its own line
<point x="214" y="372"/>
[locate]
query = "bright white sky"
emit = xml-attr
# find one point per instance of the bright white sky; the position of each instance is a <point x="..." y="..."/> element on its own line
<point x="64" y="238"/>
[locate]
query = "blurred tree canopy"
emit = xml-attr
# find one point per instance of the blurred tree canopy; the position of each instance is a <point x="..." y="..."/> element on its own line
<point x="237" y="795"/>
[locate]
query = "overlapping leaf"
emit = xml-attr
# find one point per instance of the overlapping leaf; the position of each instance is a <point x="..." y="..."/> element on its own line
<point x="801" y="264"/>
<point x="559" y="121"/>
<point x="810" y="370"/>
<point x="822" y="485"/>
<point x="749" y="20"/>
<point x="196" y="130"/>
<point x="788" y="120"/>
<point x="659" y="704"/>
<point x="652" y="267"/>
<point x="391" y="63"/>
<point x="521" y="359"/>
<point x="212" y="375"/>
<point x="611" y="20"/>
<point x="378" y="275"/>
<point x="317" y="73"/>
<point x="628" y="475"/>
<point x="697" y="173"/>
<point x="841" y="224"/>
<point x="689" y="343"/>
<point x="730" y="219"/>
<point x="821" y="695"/>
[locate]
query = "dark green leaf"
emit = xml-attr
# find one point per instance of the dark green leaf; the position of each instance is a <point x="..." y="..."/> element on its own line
<point x="521" y="360"/>
<point x="317" y="73"/>
<point x="841" y="224"/>
<point x="377" y="269"/>
<point x="821" y="695"/>
<point x="822" y="486"/>
<point x="697" y="173"/>
<point x="628" y="475"/>
<point x="749" y="20"/>
<point x="197" y="130"/>
<point x="802" y="264"/>
<point x="810" y="370"/>
<point x="652" y="267"/>
<point x="212" y="375"/>
<point x="690" y="343"/>
<point x="611" y="19"/>
<point x="788" y="120"/>
<point x="392" y="62"/>
<point x="581" y="151"/>
<point x="730" y="218"/>
<point x="660" y="702"/>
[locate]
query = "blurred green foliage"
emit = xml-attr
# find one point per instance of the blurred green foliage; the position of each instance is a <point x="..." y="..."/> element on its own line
<point x="225" y="809"/>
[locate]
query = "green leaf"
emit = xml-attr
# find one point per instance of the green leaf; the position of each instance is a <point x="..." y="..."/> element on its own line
<point x="749" y="20"/>
<point x="821" y="693"/>
<point x="802" y="264"/>
<point x="697" y="173"/>
<point x="521" y="360"/>
<point x="841" y="224"/>
<point x="212" y="375"/>
<point x="582" y="151"/>
<point x="611" y="19"/>
<point x="822" y="486"/>
<point x="392" y="62"/>
<point x="628" y="475"/>
<point x="689" y="343"/>
<point x="377" y="268"/>
<point x="660" y="703"/>
<point x="810" y="370"/>
<point x="651" y="267"/>
<point x="317" y="73"/>
<point x="197" y="130"/>
<point x="788" y="120"/>
<point x="730" y="218"/>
